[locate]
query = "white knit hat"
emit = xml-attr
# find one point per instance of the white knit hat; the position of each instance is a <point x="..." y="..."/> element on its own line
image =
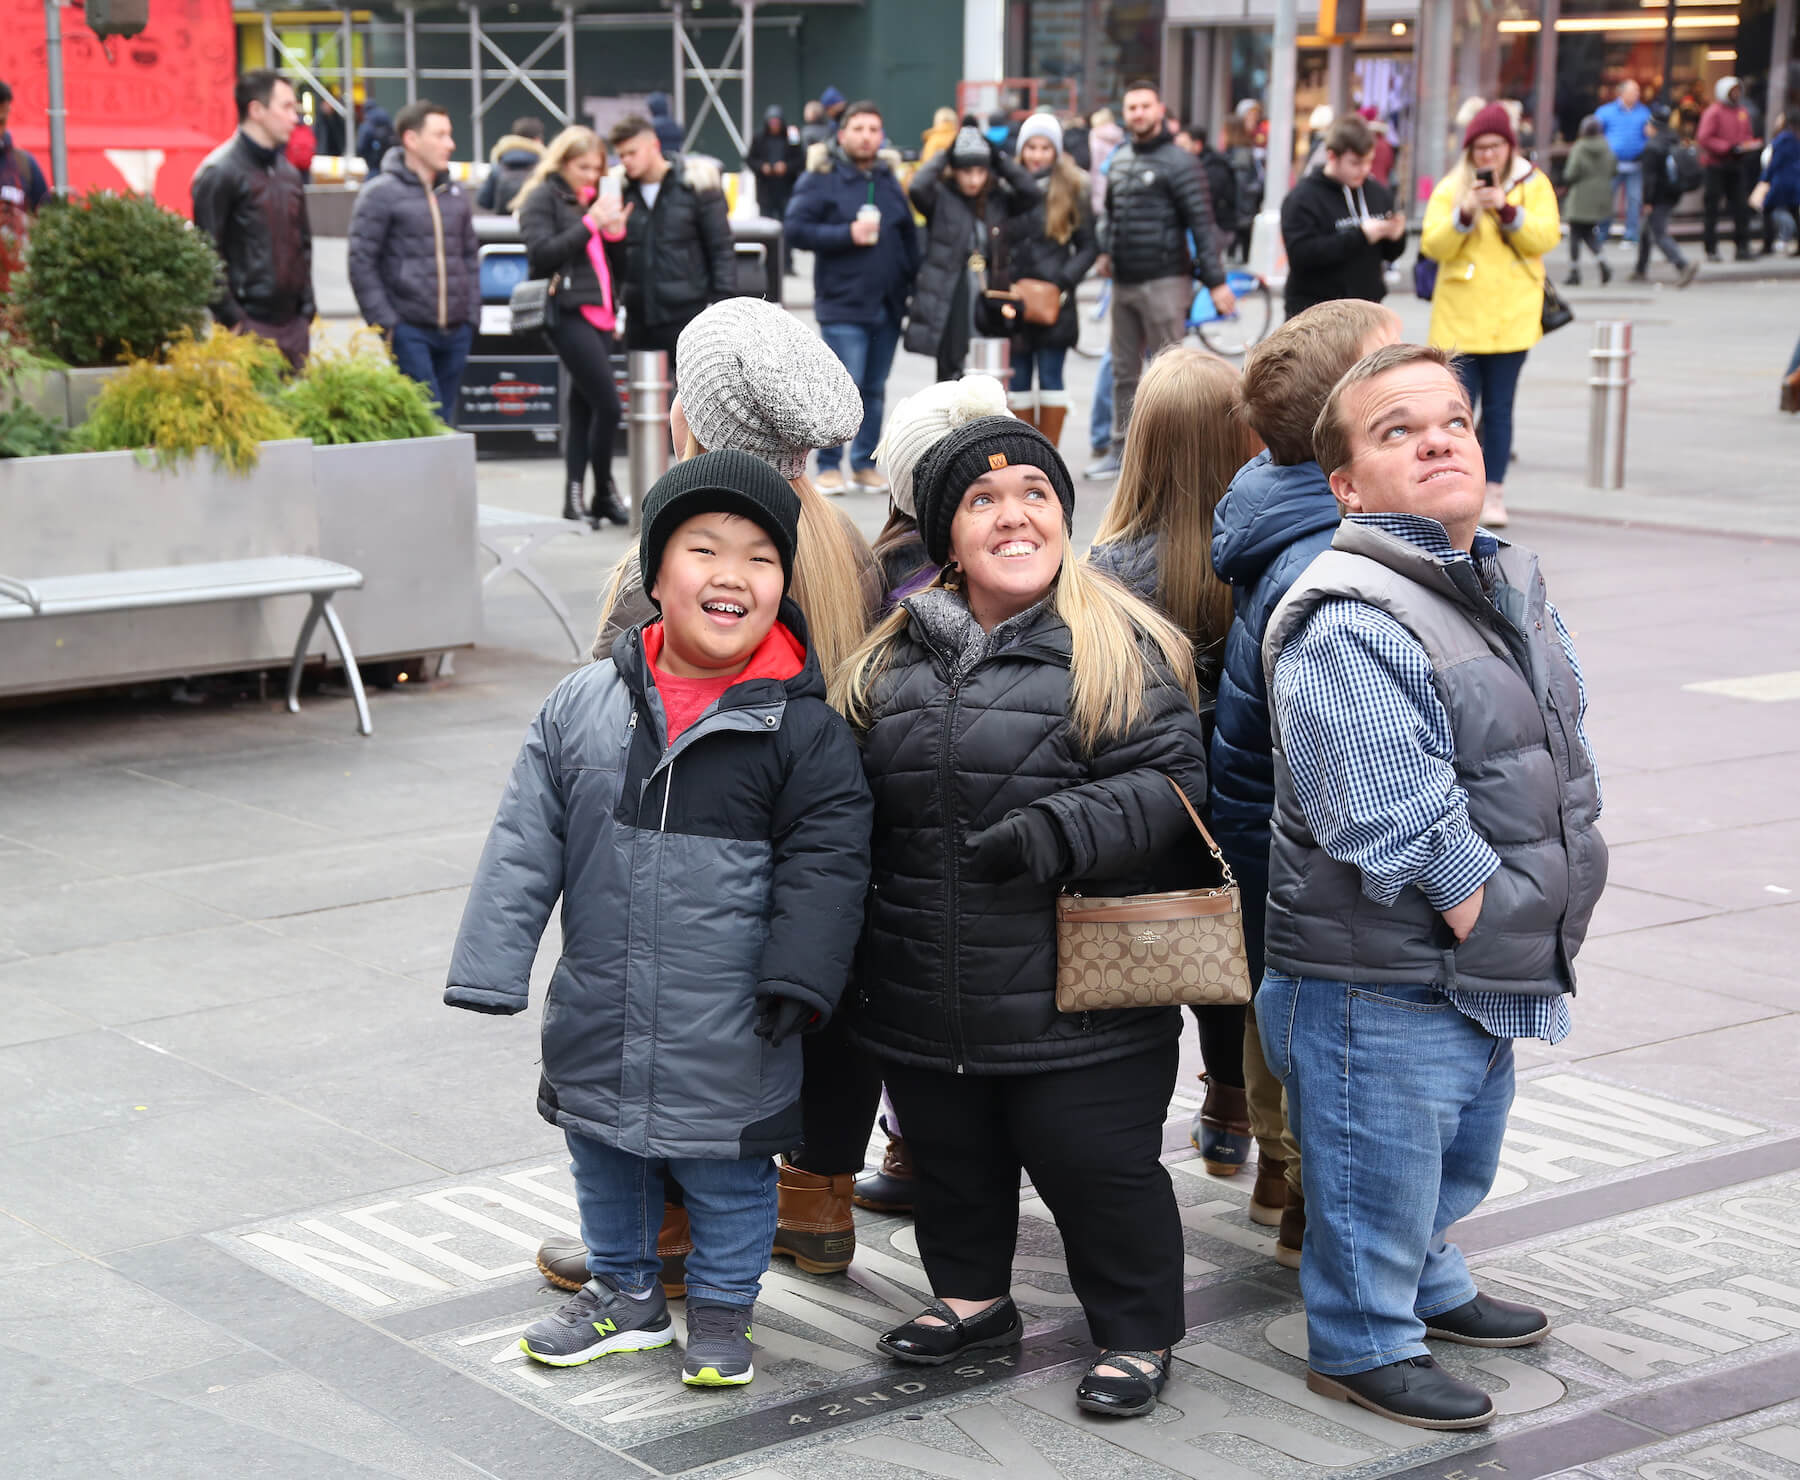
<point x="753" y="377"/>
<point x="921" y="421"/>
<point x="1041" y="126"/>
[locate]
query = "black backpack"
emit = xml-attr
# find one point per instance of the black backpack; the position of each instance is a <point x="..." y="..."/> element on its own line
<point x="1682" y="165"/>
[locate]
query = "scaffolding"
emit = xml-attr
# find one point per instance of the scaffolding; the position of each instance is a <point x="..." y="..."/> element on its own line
<point x="539" y="58"/>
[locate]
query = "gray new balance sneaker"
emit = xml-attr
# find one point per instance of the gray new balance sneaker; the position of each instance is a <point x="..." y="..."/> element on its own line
<point x="718" y="1345"/>
<point x="596" y="1321"/>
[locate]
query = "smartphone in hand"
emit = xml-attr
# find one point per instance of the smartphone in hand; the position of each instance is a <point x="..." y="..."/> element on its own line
<point x="1484" y="178"/>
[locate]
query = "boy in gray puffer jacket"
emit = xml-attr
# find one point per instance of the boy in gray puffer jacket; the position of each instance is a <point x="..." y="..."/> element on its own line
<point x="704" y="817"/>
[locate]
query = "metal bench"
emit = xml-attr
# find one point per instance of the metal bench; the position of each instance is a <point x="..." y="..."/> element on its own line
<point x="198" y="585"/>
<point x="511" y="536"/>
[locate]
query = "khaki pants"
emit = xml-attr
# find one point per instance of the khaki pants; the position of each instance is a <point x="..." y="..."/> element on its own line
<point x="1146" y="317"/>
<point x="1268" y="1105"/>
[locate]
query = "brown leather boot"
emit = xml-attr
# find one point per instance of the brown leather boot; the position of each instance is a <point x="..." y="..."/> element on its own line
<point x="1293" y="1230"/>
<point x="1025" y="410"/>
<point x="815" y="1226"/>
<point x="563" y="1261"/>
<point x="1221" y="1130"/>
<point x="1050" y="422"/>
<point x="1269" y="1197"/>
<point x="891" y="1189"/>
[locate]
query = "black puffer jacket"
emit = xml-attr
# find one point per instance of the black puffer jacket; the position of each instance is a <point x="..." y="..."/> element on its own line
<point x="1155" y="197"/>
<point x="676" y="256"/>
<point x="958" y="972"/>
<point x="1031" y="253"/>
<point x="556" y="240"/>
<point x="410" y="264"/>
<point x="252" y="203"/>
<point x="952" y="233"/>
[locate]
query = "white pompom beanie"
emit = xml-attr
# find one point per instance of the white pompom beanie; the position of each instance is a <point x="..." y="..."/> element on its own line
<point x="921" y="421"/>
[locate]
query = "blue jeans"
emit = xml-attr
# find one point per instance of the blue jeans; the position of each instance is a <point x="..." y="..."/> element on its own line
<point x="1794" y="364"/>
<point x="1491" y="382"/>
<point x="867" y="351"/>
<point x="1048" y="363"/>
<point x="731" y="1210"/>
<point x="435" y="358"/>
<point x="1630" y="178"/>
<point x="1100" y="422"/>
<point x="1399" y="1104"/>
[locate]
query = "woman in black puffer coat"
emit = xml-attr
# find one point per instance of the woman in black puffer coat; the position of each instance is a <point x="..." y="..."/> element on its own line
<point x="965" y="215"/>
<point x="1022" y="720"/>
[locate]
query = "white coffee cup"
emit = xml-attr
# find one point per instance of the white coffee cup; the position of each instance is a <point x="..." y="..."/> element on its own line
<point x="870" y="212"/>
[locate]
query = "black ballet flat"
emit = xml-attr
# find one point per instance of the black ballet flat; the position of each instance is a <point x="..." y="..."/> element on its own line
<point x="1129" y="1396"/>
<point x="932" y="1346"/>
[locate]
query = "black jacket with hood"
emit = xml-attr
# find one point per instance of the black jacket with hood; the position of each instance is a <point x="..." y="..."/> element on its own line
<point x="556" y="234"/>
<point x="676" y="256"/>
<point x="513" y="159"/>
<point x="252" y="202"/>
<point x="953" y="230"/>
<point x="1328" y="255"/>
<point x="697" y="879"/>
<point x="1030" y="252"/>
<point x="413" y="253"/>
<point x="957" y="972"/>
<point x="1156" y="198"/>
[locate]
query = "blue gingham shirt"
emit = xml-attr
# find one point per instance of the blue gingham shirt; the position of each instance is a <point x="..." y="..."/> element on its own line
<point x="1372" y="755"/>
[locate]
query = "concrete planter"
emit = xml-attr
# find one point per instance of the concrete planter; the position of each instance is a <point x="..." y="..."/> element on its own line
<point x="403" y="513"/>
<point x="83" y="386"/>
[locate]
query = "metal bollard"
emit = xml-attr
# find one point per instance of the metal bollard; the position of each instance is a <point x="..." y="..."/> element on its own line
<point x="1609" y="395"/>
<point x="647" y="371"/>
<point x="990" y="357"/>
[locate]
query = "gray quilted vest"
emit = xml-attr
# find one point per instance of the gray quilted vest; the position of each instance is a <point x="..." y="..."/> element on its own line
<point x="1512" y="700"/>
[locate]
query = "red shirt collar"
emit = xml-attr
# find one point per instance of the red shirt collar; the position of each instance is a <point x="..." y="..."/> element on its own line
<point x="780" y="656"/>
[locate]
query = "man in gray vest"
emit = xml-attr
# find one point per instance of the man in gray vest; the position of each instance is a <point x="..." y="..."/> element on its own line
<point x="1433" y="867"/>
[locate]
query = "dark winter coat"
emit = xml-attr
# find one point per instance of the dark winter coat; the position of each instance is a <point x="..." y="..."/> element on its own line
<point x="1266" y="531"/>
<point x="1155" y="198"/>
<point x="1660" y="185"/>
<point x="953" y="229"/>
<point x="554" y="225"/>
<point x="22" y="183"/>
<point x="669" y="133"/>
<point x="1031" y="253"/>
<point x="374" y="138"/>
<point x="1328" y="255"/>
<point x="252" y="202"/>
<point x="773" y="191"/>
<point x="1222" y="192"/>
<point x="1783" y="172"/>
<point x="852" y="284"/>
<point x="971" y="729"/>
<point x="696" y="879"/>
<point x="513" y="160"/>
<point x="1588" y="172"/>
<point x="413" y="254"/>
<point x="675" y="257"/>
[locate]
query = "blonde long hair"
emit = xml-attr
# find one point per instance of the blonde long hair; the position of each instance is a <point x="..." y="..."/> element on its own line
<point x="1188" y="439"/>
<point x="828" y="584"/>
<point x="573" y="141"/>
<point x="1109" y="664"/>
<point x="1065" y="197"/>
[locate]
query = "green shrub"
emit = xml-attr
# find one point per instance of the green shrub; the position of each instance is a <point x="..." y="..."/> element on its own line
<point x="109" y="276"/>
<point x="27" y="432"/>
<point x="358" y="397"/>
<point x="213" y="394"/>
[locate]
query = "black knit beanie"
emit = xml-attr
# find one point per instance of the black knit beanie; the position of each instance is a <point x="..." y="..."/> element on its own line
<point x="944" y="474"/>
<point x="728" y="482"/>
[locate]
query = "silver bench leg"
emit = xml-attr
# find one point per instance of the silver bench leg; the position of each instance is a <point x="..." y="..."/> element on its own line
<point x="299" y="664"/>
<point x="352" y="673"/>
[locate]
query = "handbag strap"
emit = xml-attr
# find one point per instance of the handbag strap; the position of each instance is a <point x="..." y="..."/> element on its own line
<point x="1212" y="847"/>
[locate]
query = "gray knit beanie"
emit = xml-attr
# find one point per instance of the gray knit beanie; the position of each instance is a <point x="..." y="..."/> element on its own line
<point x="754" y="378"/>
<point x="923" y="419"/>
<point x="970" y="147"/>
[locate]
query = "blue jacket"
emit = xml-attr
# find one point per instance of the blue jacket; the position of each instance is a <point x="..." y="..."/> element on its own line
<point x="1783" y="172"/>
<point x="1624" y="129"/>
<point x="852" y="284"/>
<point x="1266" y="531"/>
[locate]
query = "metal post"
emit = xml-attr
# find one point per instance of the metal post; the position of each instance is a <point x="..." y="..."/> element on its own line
<point x="568" y="13"/>
<point x="749" y="69"/>
<point x="1431" y="119"/>
<point x="347" y="76"/>
<point x="58" y="111"/>
<point x="1544" y="115"/>
<point x="1338" y="85"/>
<point x="1283" y="66"/>
<point x="990" y="357"/>
<point x="647" y="374"/>
<point x="1223" y="104"/>
<point x="680" y="66"/>
<point x="478" y="150"/>
<point x="1609" y="394"/>
<point x="1668" y="87"/>
<point x="409" y="17"/>
<point x="1780" y="52"/>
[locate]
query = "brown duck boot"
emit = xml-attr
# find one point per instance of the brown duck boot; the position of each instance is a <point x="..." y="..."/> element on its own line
<point x="1293" y="1230"/>
<point x="891" y="1189"/>
<point x="1221" y="1130"/>
<point x="815" y="1227"/>
<point x="563" y="1261"/>
<point x="1268" y="1199"/>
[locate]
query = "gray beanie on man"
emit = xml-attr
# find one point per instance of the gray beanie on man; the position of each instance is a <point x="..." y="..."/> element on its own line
<point x="753" y="378"/>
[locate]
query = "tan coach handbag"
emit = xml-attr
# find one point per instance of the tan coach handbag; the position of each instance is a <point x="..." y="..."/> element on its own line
<point x="1153" y="950"/>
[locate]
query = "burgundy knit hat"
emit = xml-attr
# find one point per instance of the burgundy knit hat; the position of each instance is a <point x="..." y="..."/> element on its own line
<point x="1493" y="119"/>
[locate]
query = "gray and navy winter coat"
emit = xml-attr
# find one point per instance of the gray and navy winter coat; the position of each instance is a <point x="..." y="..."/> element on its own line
<point x="696" y="880"/>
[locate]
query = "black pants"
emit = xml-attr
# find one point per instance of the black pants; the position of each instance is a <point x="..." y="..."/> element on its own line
<point x="1725" y="185"/>
<point x="953" y="348"/>
<point x="1222" y="1043"/>
<point x="1589" y="234"/>
<point x="593" y="407"/>
<point x="839" y="1096"/>
<point x="1091" y="1139"/>
<point x="655" y="336"/>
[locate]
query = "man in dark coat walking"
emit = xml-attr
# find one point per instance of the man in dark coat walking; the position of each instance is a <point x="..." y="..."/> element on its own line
<point x="414" y="257"/>
<point x="777" y="159"/>
<point x="252" y="202"/>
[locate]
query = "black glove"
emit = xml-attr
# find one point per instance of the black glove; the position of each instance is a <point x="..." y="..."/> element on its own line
<point x="780" y="1018"/>
<point x="1022" y="842"/>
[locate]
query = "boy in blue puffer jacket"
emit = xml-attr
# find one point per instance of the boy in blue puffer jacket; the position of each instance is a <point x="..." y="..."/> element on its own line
<point x="1278" y="515"/>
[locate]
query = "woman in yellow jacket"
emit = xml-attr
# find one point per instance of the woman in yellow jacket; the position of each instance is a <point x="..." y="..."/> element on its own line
<point x="1488" y="225"/>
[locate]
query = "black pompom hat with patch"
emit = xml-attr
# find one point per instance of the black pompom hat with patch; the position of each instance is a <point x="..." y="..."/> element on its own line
<point x="972" y="450"/>
<point x="726" y="482"/>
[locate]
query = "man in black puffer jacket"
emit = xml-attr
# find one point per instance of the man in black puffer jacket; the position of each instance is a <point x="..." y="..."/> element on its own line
<point x="413" y="255"/>
<point x="252" y="203"/>
<point x="1157" y="237"/>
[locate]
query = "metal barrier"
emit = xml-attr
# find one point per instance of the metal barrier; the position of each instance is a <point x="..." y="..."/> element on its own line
<point x="990" y="357"/>
<point x="1609" y="397"/>
<point x="649" y="399"/>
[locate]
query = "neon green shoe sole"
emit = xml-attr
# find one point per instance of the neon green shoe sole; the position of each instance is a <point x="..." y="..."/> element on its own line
<point x="624" y="1341"/>
<point x="711" y="1377"/>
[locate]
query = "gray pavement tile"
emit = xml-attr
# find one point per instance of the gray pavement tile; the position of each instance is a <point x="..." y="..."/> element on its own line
<point x="23" y="867"/>
<point x="460" y="848"/>
<point x="1665" y="728"/>
<point x="1618" y="1009"/>
<point x="24" y="1247"/>
<point x="301" y="882"/>
<point x="473" y="753"/>
<point x="118" y="732"/>
<point x="1748" y="955"/>
<point x="1622" y="909"/>
<point x="1740" y="868"/>
<point x="94" y="1080"/>
<point x="1749" y="1066"/>
<point x="115" y="1188"/>
<point x="27" y="1016"/>
<point x="1701" y="798"/>
<point x="412" y="934"/>
<point x="139" y="980"/>
<point x="66" y="917"/>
